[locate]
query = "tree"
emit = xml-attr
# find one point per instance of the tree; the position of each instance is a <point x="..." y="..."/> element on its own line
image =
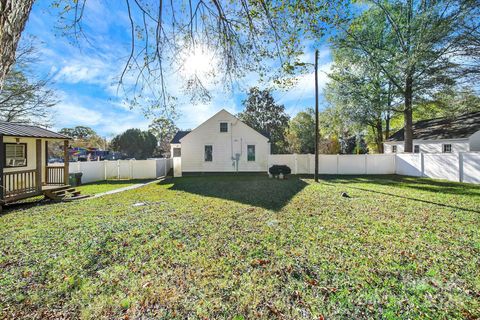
<point x="84" y="137"/>
<point x="413" y="43"/>
<point x="135" y="143"/>
<point x="451" y="102"/>
<point x="361" y="92"/>
<point x="264" y="115"/>
<point x="164" y="130"/>
<point x="25" y="97"/>
<point x="13" y="17"/>
<point x="300" y="135"/>
<point x="246" y="36"/>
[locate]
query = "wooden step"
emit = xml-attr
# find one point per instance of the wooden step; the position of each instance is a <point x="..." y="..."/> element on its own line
<point x="78" y="197"/>
<point x="63" y="191"/>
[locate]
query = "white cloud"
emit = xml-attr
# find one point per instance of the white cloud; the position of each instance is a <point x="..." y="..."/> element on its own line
<point x="72" y="114"/>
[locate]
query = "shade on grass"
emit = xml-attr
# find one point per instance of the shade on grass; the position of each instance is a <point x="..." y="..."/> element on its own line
<point x="249" y="247"/>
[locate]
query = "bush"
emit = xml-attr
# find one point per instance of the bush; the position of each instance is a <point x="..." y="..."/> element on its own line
<point x="277" y="169"/>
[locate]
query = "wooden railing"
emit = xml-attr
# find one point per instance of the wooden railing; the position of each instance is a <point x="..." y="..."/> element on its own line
<point x="54" y="175"/>
<point x="20" y="183"/>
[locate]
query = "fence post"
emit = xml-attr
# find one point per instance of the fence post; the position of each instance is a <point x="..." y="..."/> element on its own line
<point x="104" y="169"/>
<point x="130" y="167"/>
<point x="118" y="169"/>
<point x="165" y="165"/>
<point x="460" y="166"/>
<point x="296" y="162"/>
<point x="338" y="156"/>
<point x="422" y="165"/>
<point x="365" y="163"/>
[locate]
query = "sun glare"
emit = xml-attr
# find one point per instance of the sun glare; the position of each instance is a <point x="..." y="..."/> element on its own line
<point x="199" y="62"/>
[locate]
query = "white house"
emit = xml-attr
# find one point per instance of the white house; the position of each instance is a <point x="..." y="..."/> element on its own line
<point x="442" y="135"/>
<point x="223" y="143"/>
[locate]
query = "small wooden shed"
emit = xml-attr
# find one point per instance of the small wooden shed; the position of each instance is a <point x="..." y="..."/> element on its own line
<point x="24" y="168"/>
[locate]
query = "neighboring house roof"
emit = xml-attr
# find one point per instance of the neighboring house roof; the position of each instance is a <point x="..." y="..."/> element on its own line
<point x="23" y="130"/>
<point x="443" y="128"/>
<point x="179" y="135"/>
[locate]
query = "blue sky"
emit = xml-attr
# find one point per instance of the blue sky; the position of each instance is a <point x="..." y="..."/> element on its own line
<point x="86" y="76"/>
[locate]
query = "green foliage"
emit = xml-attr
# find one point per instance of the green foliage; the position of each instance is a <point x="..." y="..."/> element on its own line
<point x="300" y="135"/>
<point x="264" y="115"/>
<point x="135" y="143"/>
<point x="164" y="130"/>
<point x="248" y="246"/>
<point x="413" y="44"/>
<point x="79" y="132"/>
<point x="450" y="102"/>
<point x="84" y="137"/>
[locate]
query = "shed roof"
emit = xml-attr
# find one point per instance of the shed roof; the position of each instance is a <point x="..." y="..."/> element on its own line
<point x="24" y="130"/>
<point x="443" y="128"/>
<point x="179" y="135"/>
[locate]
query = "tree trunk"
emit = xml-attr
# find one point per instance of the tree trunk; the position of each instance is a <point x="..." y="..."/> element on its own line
<point x="408" y="116"/>
<point x="13" y="17"/>
<point x="379" y="133"/>
<point x="387" y="126"/>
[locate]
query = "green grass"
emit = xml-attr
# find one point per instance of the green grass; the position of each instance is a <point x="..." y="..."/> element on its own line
<point x="108" y="185"/>
<point x="249" y="247"/>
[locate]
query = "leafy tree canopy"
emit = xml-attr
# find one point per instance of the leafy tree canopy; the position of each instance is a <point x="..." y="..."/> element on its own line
<point x="267" y="117"/>
<point x="164" y="130"/>
<point x="135" y="143"/>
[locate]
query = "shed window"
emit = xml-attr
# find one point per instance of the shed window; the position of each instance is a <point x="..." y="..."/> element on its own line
<point x="416" y="149"/>
<point x="394" y="149"/>
<point x="177" y="152"/>
<point x="250" y="152"/>
<point x="208" y="153"/>
<point x="447" y="148"/>
<point x="15" y="155"/>
<point x="223" y="127"/>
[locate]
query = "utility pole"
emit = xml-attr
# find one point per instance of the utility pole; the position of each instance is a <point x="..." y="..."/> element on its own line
<point x="316" y="116"/>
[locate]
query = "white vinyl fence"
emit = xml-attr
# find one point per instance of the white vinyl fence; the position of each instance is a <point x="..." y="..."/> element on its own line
<point x="336" y="164"/>
<point x="121" y="169"/>
<point x="463" y="167"/>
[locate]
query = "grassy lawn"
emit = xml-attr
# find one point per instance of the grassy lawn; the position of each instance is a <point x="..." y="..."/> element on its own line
<point x="108" y="185"/>
<point x="249" y="247"/>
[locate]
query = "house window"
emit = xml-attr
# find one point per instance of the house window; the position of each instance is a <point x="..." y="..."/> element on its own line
<point x="416" y="149"/>
<point x="15" y="155"/>
<point x="177" y="152"/>
<point x="394" y="149"/>
<point x="250" y="152"/>
<point x="447" y="148"/>
<point x="208" y="153"/>
<point x="223" y="127"/>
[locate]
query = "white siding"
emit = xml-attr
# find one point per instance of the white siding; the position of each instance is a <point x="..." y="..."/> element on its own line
<point x="433" y="146"/>
<point x="475" y="141"/>
<point x="31" y="154"/>
<point x="225" y="146"/>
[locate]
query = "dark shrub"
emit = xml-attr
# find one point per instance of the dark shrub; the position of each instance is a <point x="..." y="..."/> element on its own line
<point x="277" y="169"/>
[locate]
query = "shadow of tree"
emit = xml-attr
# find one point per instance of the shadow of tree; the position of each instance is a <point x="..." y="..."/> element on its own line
<point x="440" y="188"/>
<point x="254" y="190"/>
<point x="405" y="182"/>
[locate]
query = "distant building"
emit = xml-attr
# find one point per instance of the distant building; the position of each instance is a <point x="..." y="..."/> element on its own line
<point x="441" y="135"/>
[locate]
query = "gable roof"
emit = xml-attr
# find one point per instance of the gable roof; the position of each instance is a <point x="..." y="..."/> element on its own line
<point x="24" y="130"/>
<point x="225" y="111"/>
<point x="179" y="135"/>
<point x="443" y="128"/>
